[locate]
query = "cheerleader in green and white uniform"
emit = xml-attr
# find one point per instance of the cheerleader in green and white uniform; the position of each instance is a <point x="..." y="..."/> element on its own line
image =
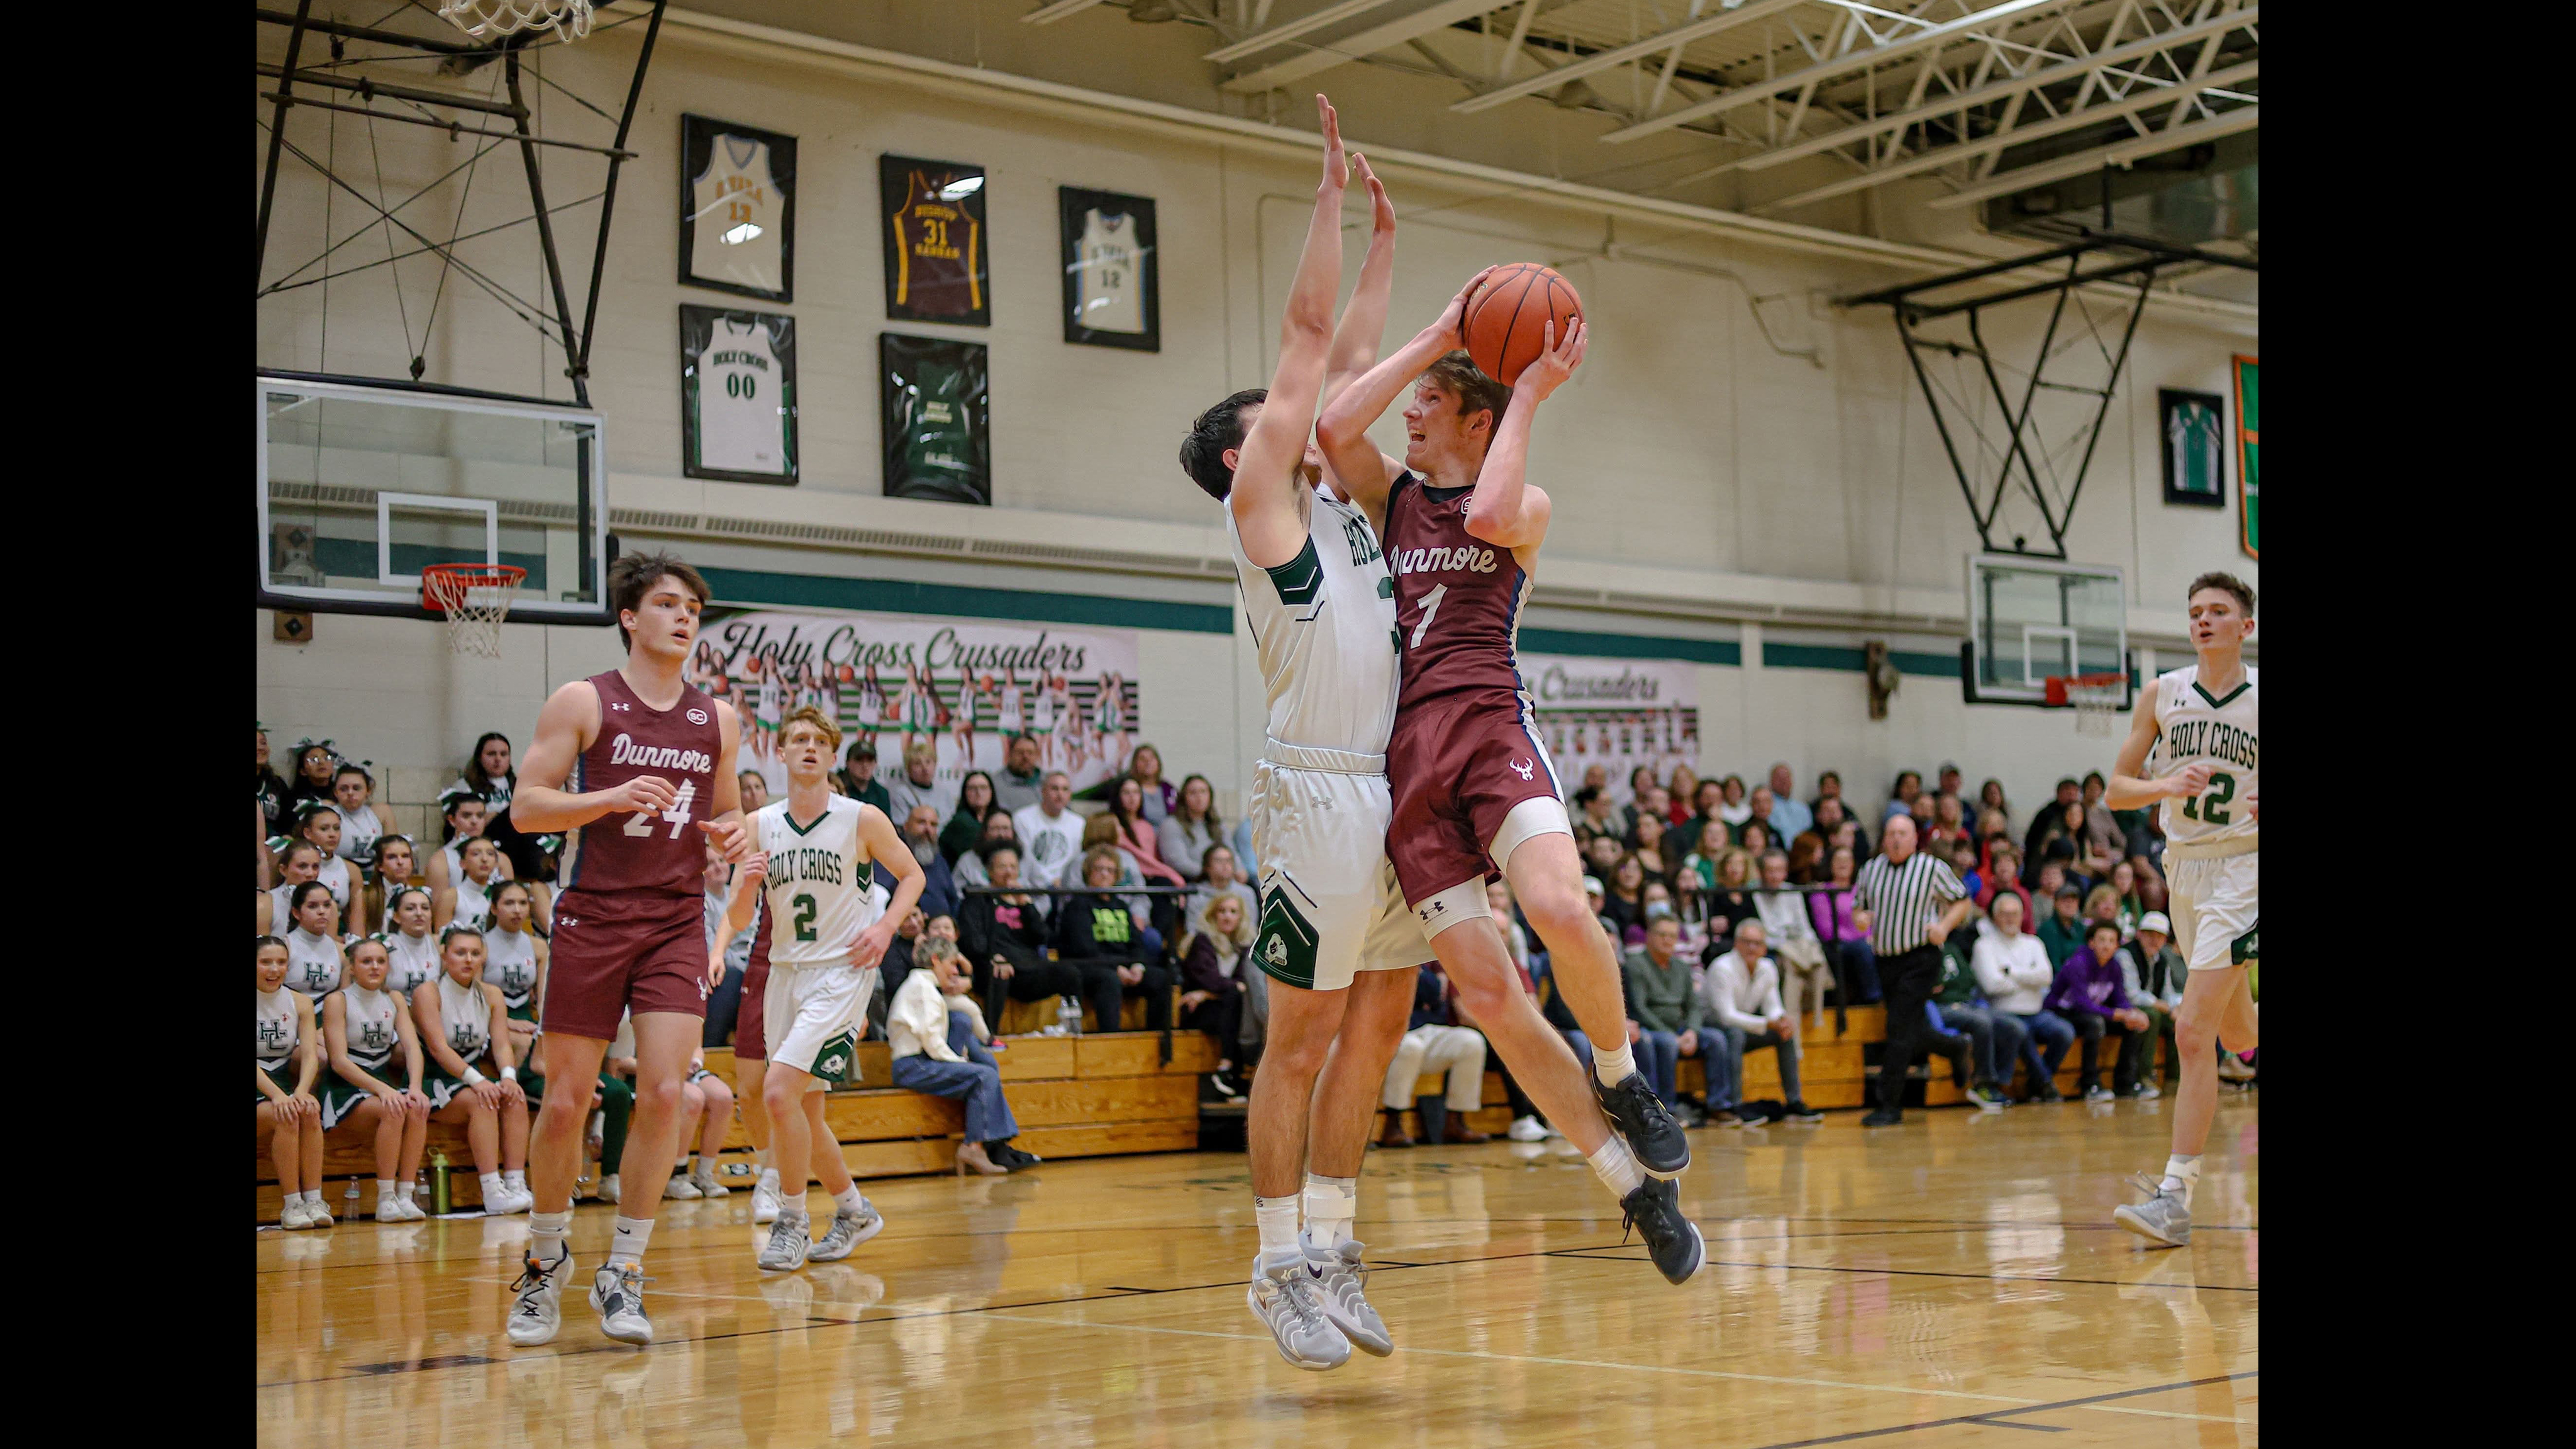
<point x="297" y="862"/>
<point x="462" y="1023"/>
<point x="353" y="790"/>
<point x="467" y="898"/>
<point x="374" y="1081"/>
<point x="289" y="1115"/>
<point x="315" y="959"/>
<point x="514" y="959"/>
<point x="318" y="821"/>
<point x="392" y="872"/>
<point x="466" y="815"/>
<point x="407" y="938"/>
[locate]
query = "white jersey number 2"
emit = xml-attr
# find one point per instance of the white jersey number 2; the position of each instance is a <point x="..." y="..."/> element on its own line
<point x="642" y="824"/>
<point x="1430" y="607"/>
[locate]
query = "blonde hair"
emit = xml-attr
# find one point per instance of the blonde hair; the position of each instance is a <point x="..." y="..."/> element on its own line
<point x="1100" y="829"/>
<point x="1203" y="923"/>
<point x="1734" y="855"/>
<point x="812" y="715"/>
<point x="2100" y="895"/>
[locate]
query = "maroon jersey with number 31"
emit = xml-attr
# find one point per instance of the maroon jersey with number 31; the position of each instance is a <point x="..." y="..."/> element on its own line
<point x="626" y="851"/>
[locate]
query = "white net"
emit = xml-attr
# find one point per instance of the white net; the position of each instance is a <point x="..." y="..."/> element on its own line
<point x="475" y="598"/>
<point x="2097" y="704"/>
<point x="479" y="18"/>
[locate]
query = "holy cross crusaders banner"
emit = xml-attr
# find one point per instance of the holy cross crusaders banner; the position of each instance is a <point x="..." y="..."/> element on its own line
<point x="2249" y="400"/>
<point x="1615" y="713"/>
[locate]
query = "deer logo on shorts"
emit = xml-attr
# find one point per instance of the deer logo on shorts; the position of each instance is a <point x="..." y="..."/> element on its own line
<point x="1275" y="951"/>
<point x="1526" y="771"/>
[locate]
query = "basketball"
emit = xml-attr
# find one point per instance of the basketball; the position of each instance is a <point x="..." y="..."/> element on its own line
<point x="1506" y="322"/>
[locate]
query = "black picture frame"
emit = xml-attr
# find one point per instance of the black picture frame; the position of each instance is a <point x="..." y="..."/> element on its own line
<point x="698" y="334"/>
<point x="1074" y="206"/>
<point x="937" y="399"/>
<point x="698" y="138"/>
<point x="944" y="214"/>
<point x="2192" y="429"/>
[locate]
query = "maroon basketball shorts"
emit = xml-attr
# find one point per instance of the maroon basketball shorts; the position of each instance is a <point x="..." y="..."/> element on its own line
<point x="751" y="1021"/>
<point x="1460" y="768"/>
<point x="620" y="951"/>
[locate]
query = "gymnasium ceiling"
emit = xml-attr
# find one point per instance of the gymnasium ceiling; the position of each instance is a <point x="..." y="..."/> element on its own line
<point x="1986" y="126"/>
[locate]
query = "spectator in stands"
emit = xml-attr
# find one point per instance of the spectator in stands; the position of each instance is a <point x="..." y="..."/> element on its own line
<point x="490" y="777"/>
<point x="468" y="902"/>
<point x="1758" y="810"/>
<point x="1954" y="784"/>
<point x="1655" y="801"/>
<point x="2049" y="879"/>
<point x="318" y="823"/>
<point x="1842" y="924"/>
<point x="1900" y="800"/>
<point x="859" y="773"/>
<point x="461" y="1022"/>
<point x="2014" y="972"/>
<point x="1625" y="904"/>
<point x="1755" y="837"/>
<point x="289" y="1062"/>
<point x="1805" y="858"/>
<point x="1051" y="834"/>
<point x="315" y="760"/>
<point x="2104" y="835"/>
<point x="315" y="958"/>
<point x="1156" y="797"/>
<point x="465" y="818"/>
<point x="940" y="1043"/>
<point x="964" y="829"/>
<point x="1788" y="815"/>
<point x="407" y="938"/>
<point x="1100" y="937"/>
<point x="1729" y="897"/>
<point x="1829" y="786"/>
<point x="1646" y="847"/>
<point x="2102" y="903"/>
<point x="1681" y="795"/>
<point x="1527" y="1124"/>
<point x="272" y="790"/>
<point x="1963" y="863"/>
<point x="939" y="884"/>
<point x="1992" y="815"/>
<point x="2153" y="973"/>
<point x="1004" y="937"/>
<point x="1664" y="1012"/>
<point x="1708" y="797"/>
<point x="2000" y="877"/>
<point x="754" y="787"/>
<point x="2062" y="935"/>
<point x="724" y="1001"/>
<point x="353" y="792"/>
<point x="374" y="1081"/>
<point x="1215" y="967"/>
<point x="2131" y="905"/>
<point x="1435" y="1042"/>
<point x="1596" y="898"/>
<point x="1745" y="1013"/>
<point x="1915" y="902"/>
<point x="918" y="784"/>
<point x="1804" y="974"/>
<point x="2090" y="995"/>
<point x="391" y="870"/>
<point x="2050" y="819"/>
<point x="1992" y="1039"/>
<point x="1596" y="817"/>
<point x="1831" y="816"/>
<point x="1101" y="831"/>
<point x="1190" y="829"/>
<point x="1018" y="786"/>
<point x="1733" y="806"/>
<point x="1219" y="875"/>
<point x="705" y="1120"/>
<point x="1137" y="835"/>
<point x="999" y="829"/>
<point x="1948" y="825"/>
<point x="1601" y="854"/>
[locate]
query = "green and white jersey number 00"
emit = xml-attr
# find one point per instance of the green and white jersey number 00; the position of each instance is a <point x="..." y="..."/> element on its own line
<point x="2193" y="726"/>
<point x="817" y="895"/>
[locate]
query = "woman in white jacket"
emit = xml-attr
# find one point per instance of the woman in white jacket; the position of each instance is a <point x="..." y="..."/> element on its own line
<point x="938" y="1036"/>
<point x="2014" y="971"/>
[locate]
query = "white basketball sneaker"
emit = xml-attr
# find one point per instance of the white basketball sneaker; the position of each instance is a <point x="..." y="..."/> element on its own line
<point x="538" y="1311"/>
<point x="764" y="1198"/>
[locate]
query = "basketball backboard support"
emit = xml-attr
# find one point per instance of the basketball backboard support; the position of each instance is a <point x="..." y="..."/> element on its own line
<point x="2030" y="618"/>
<point x="361" y="483"/>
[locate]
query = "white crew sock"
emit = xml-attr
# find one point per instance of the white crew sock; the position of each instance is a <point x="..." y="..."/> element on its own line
<point x="554" y="1228"/>
<point x="410" y="1190"/>
<point x="387" y="1191"/>
<point x="493" y="1189"/>
<point x="1617" y="1167"/>
<point x="515" y="1181"/>
<point x="1612" y="1066"/>
<point x="309" y="1199"/>
<point x="849" y="1200"/>
<point x="626" y="1247"/>
<point x="769" y="1178"/>
<point x="1331" y="1202"/>
<point x="1277" y="1217"/>
<point x="2182" y="1174"/>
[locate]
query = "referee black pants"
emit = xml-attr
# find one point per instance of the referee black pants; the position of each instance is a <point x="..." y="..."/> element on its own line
<point x="1909" y="979"/>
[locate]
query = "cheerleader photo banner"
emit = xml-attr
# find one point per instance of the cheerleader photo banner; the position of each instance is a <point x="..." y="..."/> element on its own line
<point x="1615" y="713"/>
<point x="965" y="686"/>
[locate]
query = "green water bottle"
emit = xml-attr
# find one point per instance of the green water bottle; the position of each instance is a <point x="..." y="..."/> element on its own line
<point x="438" y="1200"/>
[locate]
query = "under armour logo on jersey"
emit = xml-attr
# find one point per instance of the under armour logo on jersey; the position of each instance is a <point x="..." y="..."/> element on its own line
<point x="563" y="921"/>
<point x="618" y="707"/>
<point x="1527" y="771"/>
<point x="1275" y="951"/>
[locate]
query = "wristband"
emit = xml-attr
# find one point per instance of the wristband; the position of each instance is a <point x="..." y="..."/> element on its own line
<point x="474" y="1076"/>
<point x="509" y="1074"/>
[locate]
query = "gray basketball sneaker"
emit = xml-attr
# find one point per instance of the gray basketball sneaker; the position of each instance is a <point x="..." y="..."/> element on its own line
<point x="1285" y="1297"/>
<point x="1338" y="1272"/>
<point x="2162" y="1219"/>
<point x="538" y="1311"/>
<point x="618" y="1294"/>
<point x="847" y="1232"/>
<point x="789" y="1242"/>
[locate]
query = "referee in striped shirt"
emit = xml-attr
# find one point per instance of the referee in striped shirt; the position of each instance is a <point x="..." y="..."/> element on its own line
<point x="1915" y="901"/>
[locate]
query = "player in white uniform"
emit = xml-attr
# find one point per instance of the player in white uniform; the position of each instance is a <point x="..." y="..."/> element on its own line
<point x="2200" y="724"/>
<point x="1336" y="937"/>
<point x="822" y="934"/>
<point x="735" y="212"/>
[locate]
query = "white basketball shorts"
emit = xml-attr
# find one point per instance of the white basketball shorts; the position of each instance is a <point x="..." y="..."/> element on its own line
<point x="1330" y="905"/>
<point x="815" y="1016"/>
<point x="2214" y="911"/>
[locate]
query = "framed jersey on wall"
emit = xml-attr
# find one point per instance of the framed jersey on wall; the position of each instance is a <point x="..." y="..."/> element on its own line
<point x="2194" y="447"/>
<point x="936" y="267"/>
<point x="737" y="395"/>
<point x="1112" y="284"/>
<point x="938" y="441"/>
<point x="737" y="209"/>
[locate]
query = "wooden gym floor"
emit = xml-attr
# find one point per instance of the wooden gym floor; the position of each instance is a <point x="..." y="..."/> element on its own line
<point x="1948" y="1282"/>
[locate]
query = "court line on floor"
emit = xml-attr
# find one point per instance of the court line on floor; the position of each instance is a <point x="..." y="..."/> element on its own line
<point x="1992" y="1418"/>
<point x="1596" y="1255"/>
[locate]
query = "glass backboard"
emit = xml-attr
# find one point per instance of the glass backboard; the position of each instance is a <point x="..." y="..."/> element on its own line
<point x="360" y="485"/>
<point x="2030" y="618"/>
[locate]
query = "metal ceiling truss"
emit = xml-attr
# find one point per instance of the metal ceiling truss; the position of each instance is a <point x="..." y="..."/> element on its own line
<point x="2022" y="455"/>
<point x="302" y="81"/>
<point x="1890" y="90"/>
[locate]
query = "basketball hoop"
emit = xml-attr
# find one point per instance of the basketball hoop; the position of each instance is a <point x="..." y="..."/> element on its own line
<point x="478" y="18"/>
<point x="2096" y="698"/>
<point x="475" y="598"/>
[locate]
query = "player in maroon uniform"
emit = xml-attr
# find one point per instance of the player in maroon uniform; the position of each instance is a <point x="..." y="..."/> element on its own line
<point x="634" y="764"/>
<point x="1474" y="789"/>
